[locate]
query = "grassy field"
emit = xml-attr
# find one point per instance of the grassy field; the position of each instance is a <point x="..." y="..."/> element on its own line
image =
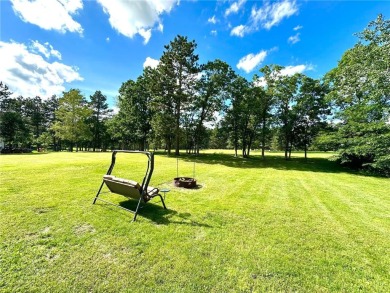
<point x="251" y="226"/>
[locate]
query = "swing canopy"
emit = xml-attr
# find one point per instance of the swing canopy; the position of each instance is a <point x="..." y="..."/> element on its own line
<point x="129" y="188"/>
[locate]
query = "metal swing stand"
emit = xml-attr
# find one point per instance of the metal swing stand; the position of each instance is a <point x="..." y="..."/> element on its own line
<point x="129" y="188"/>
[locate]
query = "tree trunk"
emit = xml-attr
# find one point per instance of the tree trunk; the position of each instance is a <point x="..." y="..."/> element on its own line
<point x="235" y="139"/>
<point x="177" y="130"/>
<point x="59" y="145"/>
<point x="243" y="148"/>
<point x="287" y="144"/>
<point x="55" y="144"/>
<point x="197" y="137"/>
<point x="305" y="142"/>
<point x="168" y="143"/>
<point x="263" y="138"/>
<point x="286" y="151"/>
<point x="177" y="144"/>
<point x="250" y="143"/>
<point x="305" y="152"/>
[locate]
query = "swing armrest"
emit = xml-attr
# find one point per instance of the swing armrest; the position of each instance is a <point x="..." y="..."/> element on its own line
<point x="151" y="192"/>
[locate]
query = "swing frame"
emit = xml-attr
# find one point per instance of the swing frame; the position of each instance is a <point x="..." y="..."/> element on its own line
<point x="129" y="188"/>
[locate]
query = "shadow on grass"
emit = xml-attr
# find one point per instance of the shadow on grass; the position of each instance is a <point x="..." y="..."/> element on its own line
<point x="272" y="161"/>
<point x="155" y="212"/>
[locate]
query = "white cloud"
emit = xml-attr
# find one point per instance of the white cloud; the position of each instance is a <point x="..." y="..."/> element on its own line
<point x="217" y="117"/>
<point x="238" y="31"/>
<point x="270" y="15"/>
<point x="107" y="39"/>
<point x="235" y="7"/>
<point x="214" y="32"/>
<point x="286" y="71"/>
<point x="146" y="34"/>
<point x="150" y="62"/>
<point x="291" y="70"/>
<point x="260" y="82"/>
<point x="29" y="74"/>
<point x="115" y="110"/>
<point x="50" y="15"/>
<point x="298" y="27"/>
<point x="136" y="17"/>
<point x="250" y="61"/>
<point x="45" y="49"/>
<point x="294" y="39"/>
<point x="213" y="20"/>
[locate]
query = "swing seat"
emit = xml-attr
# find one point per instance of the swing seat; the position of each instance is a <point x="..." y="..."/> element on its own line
<point x="130" y="188"/>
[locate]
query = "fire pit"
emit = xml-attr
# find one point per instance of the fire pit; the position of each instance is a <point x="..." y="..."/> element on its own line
<point x="185" y="182"/>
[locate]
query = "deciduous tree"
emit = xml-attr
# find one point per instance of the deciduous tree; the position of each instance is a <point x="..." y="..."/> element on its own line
<point x="135" y="99"/>
<point x="311" y="111"/>
<point x="72" y="114"/>
<point x="211" y="94"/>
<point x="361" y="93"/>
<point x="235" y="112"/>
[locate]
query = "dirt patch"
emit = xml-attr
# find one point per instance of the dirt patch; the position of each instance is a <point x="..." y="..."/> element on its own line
<point x="84" y="229"/>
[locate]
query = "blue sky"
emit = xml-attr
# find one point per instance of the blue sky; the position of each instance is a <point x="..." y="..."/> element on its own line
<point x="49" y="46"/>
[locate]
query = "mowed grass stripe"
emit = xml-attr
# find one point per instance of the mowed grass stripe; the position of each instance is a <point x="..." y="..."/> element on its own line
<point x="355" y="206"/>
<point x="352" y="221"/>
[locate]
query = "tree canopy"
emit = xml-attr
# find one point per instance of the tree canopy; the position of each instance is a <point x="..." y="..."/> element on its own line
<point x="360" y="92"/>
<point x="72" y="115"/>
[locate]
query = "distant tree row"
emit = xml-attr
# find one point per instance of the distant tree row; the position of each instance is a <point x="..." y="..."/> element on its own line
<point x="182" y="104"/>
<point x="58" y="123"/>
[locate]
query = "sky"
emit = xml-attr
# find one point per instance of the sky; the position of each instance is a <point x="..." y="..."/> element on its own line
<point x="50" y="46"/>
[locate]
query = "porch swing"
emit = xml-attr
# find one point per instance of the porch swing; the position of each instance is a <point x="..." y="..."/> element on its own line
<point x="129" y="188"/>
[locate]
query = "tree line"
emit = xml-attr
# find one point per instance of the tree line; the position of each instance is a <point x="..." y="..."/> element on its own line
<point x="58" y="123"/>
<point x="182" y="104"/>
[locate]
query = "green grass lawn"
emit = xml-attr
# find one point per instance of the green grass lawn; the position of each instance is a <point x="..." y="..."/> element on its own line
<point x="251" y="226"/>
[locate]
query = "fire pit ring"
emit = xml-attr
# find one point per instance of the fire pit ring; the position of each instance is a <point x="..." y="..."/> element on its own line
<point x="185" y="182"/>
